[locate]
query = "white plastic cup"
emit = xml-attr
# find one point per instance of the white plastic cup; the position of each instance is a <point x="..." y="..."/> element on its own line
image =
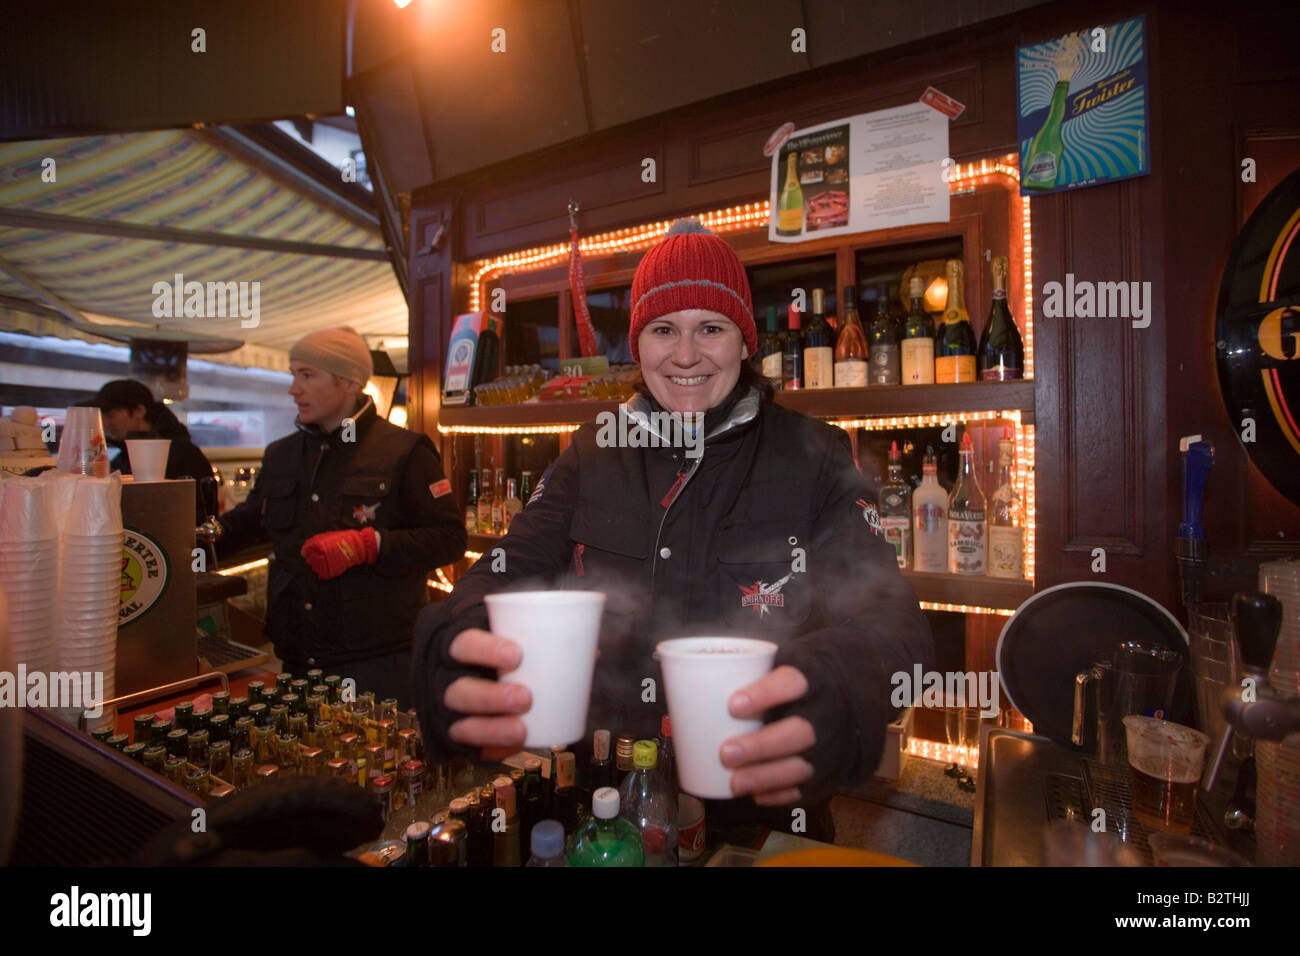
<point x="148" y="457"/>
<point x="700" y="675"/>
<point x="558" y="632"/>
<point x="82" y="449"/>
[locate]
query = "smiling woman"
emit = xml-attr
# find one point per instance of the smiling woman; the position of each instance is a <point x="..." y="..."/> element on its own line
<point x="681" y="536"/>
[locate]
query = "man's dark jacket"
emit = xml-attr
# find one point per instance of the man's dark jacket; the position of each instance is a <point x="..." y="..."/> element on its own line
<point x="382" y="477"/>
<point x="772" y="535"/>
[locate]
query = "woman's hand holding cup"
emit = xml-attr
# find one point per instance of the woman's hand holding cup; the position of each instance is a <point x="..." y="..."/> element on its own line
<point x="489" y="704"/>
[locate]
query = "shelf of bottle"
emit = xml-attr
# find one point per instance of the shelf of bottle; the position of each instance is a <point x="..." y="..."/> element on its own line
<point x="880" y="401"/>
<point x="892" y="401"/>
<point x="483" y="543"/>
<point x="971" y="589"/>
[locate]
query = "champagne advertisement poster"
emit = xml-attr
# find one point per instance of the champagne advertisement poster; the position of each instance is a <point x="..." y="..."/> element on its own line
<point x="1083" y="108"/>
<point x="870" y="171"/>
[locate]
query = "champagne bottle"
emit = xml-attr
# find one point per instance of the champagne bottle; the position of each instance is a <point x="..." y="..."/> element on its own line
<point x="954" y="349"/>
<point x="1001" y="352"/>
<point x="792" y="367"/>
<point x="819" y="347"/>
<point x="1043" y="158"/>
<point x="851" y="347"/>
<point x="789" y="216"/>
<point x="884" y="337"/>
<point x="967" y="544"/>
<point x="930" y="519"/>
<point x="1007" y="517"/>
<point x="771" y="349"/>
<point x="918" y="338"/>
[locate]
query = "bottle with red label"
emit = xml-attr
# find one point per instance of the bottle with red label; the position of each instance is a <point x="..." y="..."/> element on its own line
<point x="649" y="803"/>
<point x="896" y="509"/>
<point x="967" y="538"/>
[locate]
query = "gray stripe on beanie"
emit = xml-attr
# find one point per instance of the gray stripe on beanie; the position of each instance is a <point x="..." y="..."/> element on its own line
<point x="679" y="283"/>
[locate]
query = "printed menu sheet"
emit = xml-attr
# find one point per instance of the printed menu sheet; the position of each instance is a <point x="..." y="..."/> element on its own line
<point x="871" y="171"/>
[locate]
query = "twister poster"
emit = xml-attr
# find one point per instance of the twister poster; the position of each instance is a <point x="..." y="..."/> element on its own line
<point x="1083" y="108"/>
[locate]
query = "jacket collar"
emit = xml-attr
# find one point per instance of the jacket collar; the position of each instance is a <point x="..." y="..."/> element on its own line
<point x="743" y="410"/>
<point x="365" y="416"/>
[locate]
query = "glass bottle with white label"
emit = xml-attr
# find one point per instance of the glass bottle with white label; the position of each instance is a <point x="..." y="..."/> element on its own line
<point x="896" y="509"/>
<point x="967" y="540"/>
<point x="930" y="519"/>
<point x="1006" y="517"/>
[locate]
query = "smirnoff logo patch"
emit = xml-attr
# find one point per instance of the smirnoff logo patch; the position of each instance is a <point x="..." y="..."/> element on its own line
<point x="762" y="596"/>
<point x="871" y="516"/>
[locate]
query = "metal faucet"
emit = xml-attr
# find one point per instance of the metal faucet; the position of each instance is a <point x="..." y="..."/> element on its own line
<point x="1269" y="716"/>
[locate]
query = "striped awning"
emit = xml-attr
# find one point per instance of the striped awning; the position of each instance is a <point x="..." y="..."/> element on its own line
<point x="99" y="222"/>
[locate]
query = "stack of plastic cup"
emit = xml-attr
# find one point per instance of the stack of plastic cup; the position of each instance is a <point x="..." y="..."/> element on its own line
<point x="1277" y="795"/>
<point x="82" y="449"/>
<point x="29" y="550"/>
<point x="90" y="580"/>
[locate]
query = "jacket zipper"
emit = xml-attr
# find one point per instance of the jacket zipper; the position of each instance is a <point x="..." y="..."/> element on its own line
<point x="668" y="501"/>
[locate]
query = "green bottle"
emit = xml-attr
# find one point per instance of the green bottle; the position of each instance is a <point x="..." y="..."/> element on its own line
<point x="1043" y="165"/>
<point x="605" y="839"/>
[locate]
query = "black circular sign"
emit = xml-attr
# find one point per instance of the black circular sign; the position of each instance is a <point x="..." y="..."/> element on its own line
<point x="1257" y="337"/>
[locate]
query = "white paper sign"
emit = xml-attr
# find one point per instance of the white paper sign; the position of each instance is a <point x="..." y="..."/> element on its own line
<point x="866" y="172"/>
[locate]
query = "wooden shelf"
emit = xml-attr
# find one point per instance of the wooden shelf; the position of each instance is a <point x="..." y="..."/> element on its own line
<point x="483" y="543"/>
<point x="878" y="401"/>
<point x="897" y="400"/>
<point x="975" y="590"/>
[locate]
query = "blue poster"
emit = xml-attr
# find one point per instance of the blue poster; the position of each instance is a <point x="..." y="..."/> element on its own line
<point x="1083" y="108"/>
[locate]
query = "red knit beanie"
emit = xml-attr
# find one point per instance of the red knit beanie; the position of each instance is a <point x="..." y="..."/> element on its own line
<point x="692" y="268"/>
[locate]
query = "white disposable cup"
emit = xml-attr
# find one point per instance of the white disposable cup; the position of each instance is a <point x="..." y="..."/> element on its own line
<point x="700" y="675"/>
<point x="558" y="632"/>
<point x="148" y="457"/>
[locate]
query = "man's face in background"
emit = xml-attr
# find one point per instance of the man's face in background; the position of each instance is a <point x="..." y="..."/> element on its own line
<point x="119" y="422"/>
<point x="322" y="399"/>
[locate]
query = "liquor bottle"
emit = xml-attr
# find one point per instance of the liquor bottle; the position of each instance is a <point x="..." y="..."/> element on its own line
<point x="884" y="338"/>
<point x="918" y="338"/>
<point x="623" y="757"/>
<point x="930" y="519"/>
<point x="525" y="487"/>
<point x="896" y="509"/>
<point x="954" y="349"/>
<point x="649" y="803"/>
<point x="512" y="505"/>
<point x="505" y="842"/>
<point x="967" y="542"/>
<point x="1043" y="158"/>
<point x="665" y="743"/>
<point x="602" y="770"/>
<point x="819" y="347"/>
<point x="1006" y="517"/>
<point x="792" y="365"/>
<point x="417" y="843"/>
<point x="549" y="781"/>
<point x="566" y="791"/>
<point x="499" y="502"/>
<point x="1001" y="352"/>
<point x="485" y="502"/>
<point x="605" y="838"/>
<point x="851" y="347"/>
<point x="771" y="349"/>
<point x="789" y="210"/>
<point x="530" y="795"/>
<point x="547" y="844"/>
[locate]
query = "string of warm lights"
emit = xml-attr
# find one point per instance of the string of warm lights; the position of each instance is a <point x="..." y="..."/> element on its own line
<point x="507" y="429"/>
<point x="965" y="608"/>
<point x="920" y="421"/>
<point x="242" y="568"/>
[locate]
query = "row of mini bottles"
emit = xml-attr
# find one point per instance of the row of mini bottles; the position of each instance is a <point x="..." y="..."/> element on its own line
<point x="295" y="727"/>
<point x="634" y="825"/>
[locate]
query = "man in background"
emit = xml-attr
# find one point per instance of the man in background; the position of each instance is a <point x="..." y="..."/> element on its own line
<point x="360" y="513"/>
<point x="129" y="411"/>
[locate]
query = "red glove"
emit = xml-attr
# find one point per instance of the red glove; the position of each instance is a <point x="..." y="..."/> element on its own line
<point x="332" y="553"/>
